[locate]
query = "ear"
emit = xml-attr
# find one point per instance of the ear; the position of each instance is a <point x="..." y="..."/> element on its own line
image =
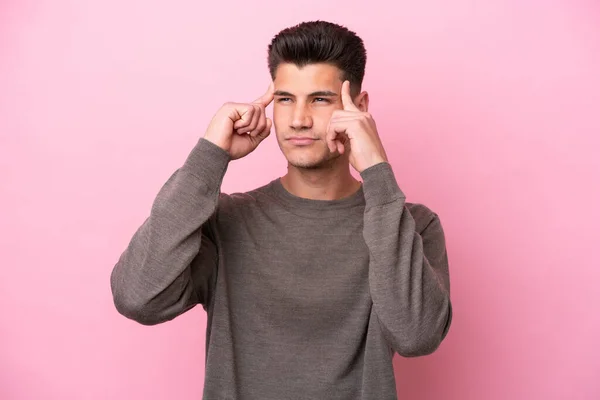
<point x="362" y="101"/>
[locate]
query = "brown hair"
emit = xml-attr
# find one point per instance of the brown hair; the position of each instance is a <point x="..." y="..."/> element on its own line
<point x="320" y="42"/>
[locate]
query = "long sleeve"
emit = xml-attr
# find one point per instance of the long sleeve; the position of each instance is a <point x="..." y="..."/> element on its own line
<point x="408" y="267"/>
<point x="170" y="262"/>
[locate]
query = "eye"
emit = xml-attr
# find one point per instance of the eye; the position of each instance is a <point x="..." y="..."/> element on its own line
<point x="283" y="99"/>
<point x="321" y="100"/>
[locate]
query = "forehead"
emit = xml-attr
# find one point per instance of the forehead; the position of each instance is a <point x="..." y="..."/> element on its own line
<point x="306" y="79"/>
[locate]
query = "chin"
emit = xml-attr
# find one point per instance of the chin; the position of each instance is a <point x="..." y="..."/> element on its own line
<point x="307" y="165"/>
<point x="316" y="156"/>
<point x="311" y="161"/>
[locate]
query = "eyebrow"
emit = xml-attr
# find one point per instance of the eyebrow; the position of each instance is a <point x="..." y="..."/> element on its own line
<point x="321" y="93"/>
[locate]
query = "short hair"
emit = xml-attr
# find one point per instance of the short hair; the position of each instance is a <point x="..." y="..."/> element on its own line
<point x="320" y="42"/>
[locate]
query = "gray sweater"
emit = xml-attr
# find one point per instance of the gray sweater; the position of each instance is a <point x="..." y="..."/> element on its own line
<point x="305" y="299"/>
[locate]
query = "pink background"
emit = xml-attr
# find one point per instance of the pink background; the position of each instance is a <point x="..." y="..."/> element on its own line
<point x="488" y="110"/>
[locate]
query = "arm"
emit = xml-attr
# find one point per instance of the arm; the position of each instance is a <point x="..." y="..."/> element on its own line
<point x="170" y="262"/>
<point x="408" y="270"/>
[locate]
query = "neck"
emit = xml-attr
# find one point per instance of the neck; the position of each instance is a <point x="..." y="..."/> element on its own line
<point x="320" y="183"/>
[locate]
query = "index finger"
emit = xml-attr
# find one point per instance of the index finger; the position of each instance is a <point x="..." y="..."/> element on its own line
<point x="266" y="98"/>
<point x="347" y="98"/>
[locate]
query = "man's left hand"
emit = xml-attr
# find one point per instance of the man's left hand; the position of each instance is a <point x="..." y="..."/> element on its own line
<point x="353" y="130"/>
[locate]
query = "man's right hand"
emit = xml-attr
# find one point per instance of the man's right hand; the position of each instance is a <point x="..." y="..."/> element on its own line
<point x="239" y="128"/>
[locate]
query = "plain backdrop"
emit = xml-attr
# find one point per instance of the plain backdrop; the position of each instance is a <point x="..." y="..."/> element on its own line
<point x="489" y="112"/>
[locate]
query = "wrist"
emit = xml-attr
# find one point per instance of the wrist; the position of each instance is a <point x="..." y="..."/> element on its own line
<point x="372" y="162"/>
<point x="220" y="143"/>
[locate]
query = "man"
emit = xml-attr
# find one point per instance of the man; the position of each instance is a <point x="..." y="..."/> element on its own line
<point x="313" y="281"/>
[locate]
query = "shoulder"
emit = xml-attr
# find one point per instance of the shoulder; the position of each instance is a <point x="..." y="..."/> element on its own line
<point x="423" y="215"/>
<point x="244" y="202"/>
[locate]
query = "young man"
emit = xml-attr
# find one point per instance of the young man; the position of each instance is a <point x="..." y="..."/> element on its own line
<point x="313" y="281"/>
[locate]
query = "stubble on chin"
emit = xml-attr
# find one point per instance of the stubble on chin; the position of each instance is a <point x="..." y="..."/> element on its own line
<point x="324" y="161"/>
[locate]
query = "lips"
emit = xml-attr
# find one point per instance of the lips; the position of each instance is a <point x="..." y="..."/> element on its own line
<point x="300" y="140"/>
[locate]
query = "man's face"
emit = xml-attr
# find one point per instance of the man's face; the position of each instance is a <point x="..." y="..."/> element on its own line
<point x="304" y="100"/>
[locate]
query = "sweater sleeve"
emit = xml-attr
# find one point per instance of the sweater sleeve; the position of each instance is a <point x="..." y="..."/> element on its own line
<point x="408" y="269"/>
<point x="169" y="264"/>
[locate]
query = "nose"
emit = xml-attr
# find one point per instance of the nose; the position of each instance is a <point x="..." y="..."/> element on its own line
<point x="301" y="118"/>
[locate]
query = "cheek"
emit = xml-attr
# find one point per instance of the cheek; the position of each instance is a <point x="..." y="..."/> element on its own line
<point x="280" y="117"/>
<point x="321" y="118"/>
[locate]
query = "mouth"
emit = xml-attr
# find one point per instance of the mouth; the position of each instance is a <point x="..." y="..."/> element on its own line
<point x="301" y="141"/>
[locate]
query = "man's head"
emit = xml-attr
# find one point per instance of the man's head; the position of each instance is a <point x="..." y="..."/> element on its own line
<point x="308" y="64"/>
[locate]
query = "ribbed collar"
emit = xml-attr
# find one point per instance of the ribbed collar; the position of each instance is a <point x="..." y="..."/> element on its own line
<point x="315" y="208"/>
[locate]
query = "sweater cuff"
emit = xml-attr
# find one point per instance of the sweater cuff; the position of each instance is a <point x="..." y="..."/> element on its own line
<point x="380" y="186"/>
<point x="207" y="160"/>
